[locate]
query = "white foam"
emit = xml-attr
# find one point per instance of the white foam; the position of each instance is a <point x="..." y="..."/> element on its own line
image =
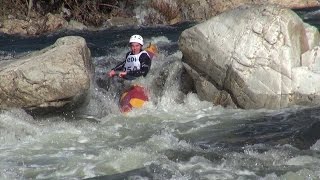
<point x="158" y="40"/>
<point x="83" y="139"/>
<point x="16" y="125"/>
<point x="316" y="146"/>
<point x="301" y="174"/>
<point x="166" y="140"/>
<point x="88" y="171"/>
<point x="208" y="169"/>
<point x="116" y="161"/>
<point x="302" y="160"/>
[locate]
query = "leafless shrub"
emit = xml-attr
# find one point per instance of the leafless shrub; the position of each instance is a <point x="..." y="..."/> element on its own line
<point x="85" y="11"/>
<point x="14" y="7"/>
<point x="94" y="12"/>
<point x="89" y="12"/>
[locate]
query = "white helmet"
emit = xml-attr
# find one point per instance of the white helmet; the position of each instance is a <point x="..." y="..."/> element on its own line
<point x="136" y="38"/>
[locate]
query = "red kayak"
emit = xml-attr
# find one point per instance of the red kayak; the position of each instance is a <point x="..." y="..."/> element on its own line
<point x="135" y="97"/>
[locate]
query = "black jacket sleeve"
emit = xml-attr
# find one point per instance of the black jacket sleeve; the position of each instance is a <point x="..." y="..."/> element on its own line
<point x="120" y="66"/>
<point x="145" y="64"/>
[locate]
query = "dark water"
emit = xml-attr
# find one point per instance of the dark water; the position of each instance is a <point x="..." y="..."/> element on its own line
<point x="99" y="42"/>
<point x="175" y="137"/>
<point x="310" y="15"/>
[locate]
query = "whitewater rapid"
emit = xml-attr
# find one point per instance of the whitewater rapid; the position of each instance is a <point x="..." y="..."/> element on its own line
<point x="174" y="136"/>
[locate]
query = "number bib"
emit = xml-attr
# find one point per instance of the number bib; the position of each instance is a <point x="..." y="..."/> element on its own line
<point x="132" y="62"/>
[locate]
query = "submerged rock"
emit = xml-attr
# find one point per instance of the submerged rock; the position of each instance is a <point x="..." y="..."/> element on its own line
<point x="253" y="53"/>
<point x="53" y="77"/>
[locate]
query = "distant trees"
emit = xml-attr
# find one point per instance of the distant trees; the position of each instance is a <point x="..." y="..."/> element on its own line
<point x="90" y="12"/>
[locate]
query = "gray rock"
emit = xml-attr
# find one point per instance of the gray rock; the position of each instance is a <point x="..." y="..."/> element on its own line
<point x="253" y="53"/>
<point x="75" y="25"/>
<point x="207" y="91"/>
<point x="53" y="77"/>
<point x="313" y="35"/>
<point x="54" y="22"/>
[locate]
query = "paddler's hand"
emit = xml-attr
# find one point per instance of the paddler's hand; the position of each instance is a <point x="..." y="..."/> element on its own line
<point x="112" y="73"/>
<point x="122" y="74"/>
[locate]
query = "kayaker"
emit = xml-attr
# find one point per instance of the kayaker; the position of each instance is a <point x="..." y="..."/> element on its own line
<point x="137" y="62"/>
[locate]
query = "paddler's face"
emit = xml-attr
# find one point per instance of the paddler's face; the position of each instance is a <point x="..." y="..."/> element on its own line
<point x="135" y="48"/>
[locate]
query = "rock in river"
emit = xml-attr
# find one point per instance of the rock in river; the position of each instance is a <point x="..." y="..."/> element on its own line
<point x="54" y="77"/>
<point x="253" y="53"/>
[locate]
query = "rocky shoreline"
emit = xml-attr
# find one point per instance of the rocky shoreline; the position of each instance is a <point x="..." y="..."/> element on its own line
<point x="149" y="13"/>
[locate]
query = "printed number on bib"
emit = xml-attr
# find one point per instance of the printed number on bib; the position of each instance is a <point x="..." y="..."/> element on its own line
<point x="134" y="68"/>
<point x="131" y="59"/>
<point x="132" y="63"/>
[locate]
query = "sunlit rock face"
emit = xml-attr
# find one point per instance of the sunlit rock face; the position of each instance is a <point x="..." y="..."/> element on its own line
<point x="53" y="77"/>
<point x="254" y="54"/>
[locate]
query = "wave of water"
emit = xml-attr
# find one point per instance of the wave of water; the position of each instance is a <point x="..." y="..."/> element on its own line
<point x="192" y="140"/>
<point x="175" y="135"/>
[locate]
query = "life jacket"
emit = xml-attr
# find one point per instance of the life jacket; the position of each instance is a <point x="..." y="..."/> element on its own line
<point x="132" y="62"/>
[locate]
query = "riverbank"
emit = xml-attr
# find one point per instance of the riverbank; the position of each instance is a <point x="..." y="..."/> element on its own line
<point x="18" y="19"/>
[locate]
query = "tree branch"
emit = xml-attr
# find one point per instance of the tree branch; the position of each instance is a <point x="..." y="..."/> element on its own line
<point x="30" y="4"/>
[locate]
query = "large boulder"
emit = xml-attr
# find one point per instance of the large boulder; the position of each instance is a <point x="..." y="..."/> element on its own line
<point x="254" y="54"/>
<point x="53" y="77"/>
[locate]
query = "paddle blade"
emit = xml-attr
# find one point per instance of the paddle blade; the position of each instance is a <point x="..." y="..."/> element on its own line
<point x="152" y="50"/>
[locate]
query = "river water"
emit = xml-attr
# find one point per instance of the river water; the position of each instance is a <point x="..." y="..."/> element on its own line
<point x="175" y="135"/>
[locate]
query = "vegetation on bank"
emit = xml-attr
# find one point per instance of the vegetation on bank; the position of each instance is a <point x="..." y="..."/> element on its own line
<point x="89" y="12"/>
<point x="92" y="12"/>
